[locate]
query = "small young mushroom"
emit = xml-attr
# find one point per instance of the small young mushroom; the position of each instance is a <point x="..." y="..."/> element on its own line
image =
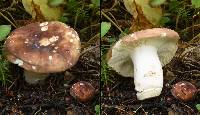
<point x="141" y="55"/>
<point x="184" y="91"/>
<point x="43" y="48"/>
<point x="82" y="91"/>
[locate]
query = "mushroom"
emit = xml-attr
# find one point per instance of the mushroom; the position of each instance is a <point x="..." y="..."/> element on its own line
<point x="184" y="90"/>
<point x="82" y="91"/>
<point x="43" y="48"/>
<point x="141" y="55"/>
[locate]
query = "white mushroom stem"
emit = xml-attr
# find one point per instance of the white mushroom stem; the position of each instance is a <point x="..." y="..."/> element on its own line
<point x="148" y="74"/>
<point x="34" y="78"/>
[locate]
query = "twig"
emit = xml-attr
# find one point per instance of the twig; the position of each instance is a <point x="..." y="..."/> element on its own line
<point x="97" y="36"/>
<point x="82" y="30"/>
<point x="128" y="100"/>
<point x="187" y="107"/>
<point x="114" y="4"/>
<point x="112" y="7"/>
<point x="12" y="83"/>
<point x="186" y="29"/>
<point x="8" y="20"/>
<point x="144" y="111"/>
<point x="112" y="21"/>
<point x="37" y="111"/>
<point x="121" y="108"/>
<point x="89" y="49"/>
<point x="136" y="106"/>
<point x="115" y="86"/>
<point x="11" y="17"/>
<point x="113" y="18"/>
<point x="3" y="111"/>
<point x="186" y="51"/>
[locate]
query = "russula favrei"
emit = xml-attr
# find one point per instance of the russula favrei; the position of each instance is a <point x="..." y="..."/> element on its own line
<point x="141" y="55"/>
<point x="184" y="90"/>
<point x="42" y="48"/>
<point x="82" y="91"/>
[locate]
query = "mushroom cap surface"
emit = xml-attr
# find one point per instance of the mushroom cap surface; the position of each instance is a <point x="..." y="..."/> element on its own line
<point x="43" y="47"/>
<point x="82" y="91"/>
<point x="119" y="56"/>
<point x="184" y="90"/>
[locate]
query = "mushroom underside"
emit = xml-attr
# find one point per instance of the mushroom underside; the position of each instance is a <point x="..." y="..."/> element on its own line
<point x="143" y="62"/>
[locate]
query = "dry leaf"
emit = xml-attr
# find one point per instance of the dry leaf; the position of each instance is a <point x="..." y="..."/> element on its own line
<point x="144" y="16"/>
<point x="41" y="11"/>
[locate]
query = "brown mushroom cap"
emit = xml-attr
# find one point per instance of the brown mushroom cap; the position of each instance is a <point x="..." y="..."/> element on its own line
<point x="162" y="38"/>
<point x="82" y="91"/>
<point x="43" y="47"/>
<point x="184" y="90"/>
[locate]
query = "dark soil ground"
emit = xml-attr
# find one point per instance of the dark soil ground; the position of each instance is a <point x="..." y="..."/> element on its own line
<point x="52" y="97"/>
<point x="119" y="96"/>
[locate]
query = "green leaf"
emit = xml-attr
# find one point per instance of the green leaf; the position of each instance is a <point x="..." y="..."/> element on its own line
<point x="125" y="32"/>
<point x="55" y="3"/>
<point x="198" y="107"/>
<point x="156" y="2"/>
<point x="164" y="20"/>
<point x="97" y="109"/>
<point x="105" y="27"/>
<point x="4" y="31"/>
<point x="196" y="3"/>
<point x="64" y="19"/>
<point x="112" y="40"/>
<point x="96" y="2"/>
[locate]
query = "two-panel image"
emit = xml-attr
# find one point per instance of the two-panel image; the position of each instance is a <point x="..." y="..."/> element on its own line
<point x="99" y="57"/>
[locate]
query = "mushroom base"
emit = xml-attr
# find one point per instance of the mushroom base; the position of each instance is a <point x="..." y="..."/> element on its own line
<point x="148" y="74"/>
<point x="148" y="93"/>
<point x="34" y="78"/>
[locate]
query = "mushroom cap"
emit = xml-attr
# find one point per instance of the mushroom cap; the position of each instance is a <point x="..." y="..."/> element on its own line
<point x="43" y="47"/>
<point x="82" y="91"/>
<point x="184" y="91"/>
<point x="119" y="56"/>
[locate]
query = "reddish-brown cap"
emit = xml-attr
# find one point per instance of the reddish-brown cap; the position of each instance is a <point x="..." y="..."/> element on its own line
<point x="43" y="47"/>
<point x="184" y="91"/>
<point x="82" y="91"/>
